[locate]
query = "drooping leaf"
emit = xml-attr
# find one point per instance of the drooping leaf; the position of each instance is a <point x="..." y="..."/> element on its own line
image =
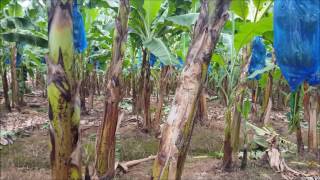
<point x="185" y="19"/>
<point x="240" y="7"/>
<point x="157" y="47"/>
<point x="16" y="22"/>
<point x="261" y="140"/>
<point x="24" y="37"/>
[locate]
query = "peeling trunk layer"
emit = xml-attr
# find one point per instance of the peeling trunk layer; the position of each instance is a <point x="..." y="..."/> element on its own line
<point x="63" y="95"/>
<point x="179" y="125"/>
<point x="162" y="87"/>
<point x="14" y="81"/>
<point x="105" y="147"/>
<point x="268" y="112"/>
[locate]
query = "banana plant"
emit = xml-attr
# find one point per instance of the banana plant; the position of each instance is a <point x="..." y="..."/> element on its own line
<point x="63" y="93"/>
<point x="179" y="125"/>
<point x="244" y="25"/>
<point x="105" y="152"/>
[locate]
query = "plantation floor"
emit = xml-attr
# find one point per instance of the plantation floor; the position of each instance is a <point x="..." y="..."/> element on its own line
<point x="28" y="156"/>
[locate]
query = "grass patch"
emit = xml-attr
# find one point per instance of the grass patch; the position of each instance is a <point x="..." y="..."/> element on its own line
<point x="205" y="141"/>
<point x="137" y="147"/>
<point x="29" y="152"/>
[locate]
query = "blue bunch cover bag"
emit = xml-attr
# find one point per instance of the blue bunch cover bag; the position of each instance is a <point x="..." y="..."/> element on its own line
<point x="296" y="40"/>
<point x="18" y="60"/>
<point x="180" y="64"/>
<point x="258" y="57"/>
<point x="152" y="59"/>
<point x="79" y="33"/>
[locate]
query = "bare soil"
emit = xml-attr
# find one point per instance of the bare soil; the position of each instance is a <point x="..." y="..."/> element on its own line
<point x="28" y="156"/>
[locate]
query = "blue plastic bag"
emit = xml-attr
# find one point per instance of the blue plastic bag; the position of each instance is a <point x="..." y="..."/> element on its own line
<point x="97" y="65"/>
<point x="79" y="33"/>
<point x="210" y="69"/>
<point x="296" y="40"/>
<point x="181" y="63"/>
<point x="18" y="60"/>
<point x="152" y="59"/>
<point x="258" y="57"/>
<point x="43" y="61"/>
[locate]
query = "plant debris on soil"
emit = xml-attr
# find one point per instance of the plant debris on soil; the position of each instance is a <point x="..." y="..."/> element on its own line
<point x="25" y="145"/>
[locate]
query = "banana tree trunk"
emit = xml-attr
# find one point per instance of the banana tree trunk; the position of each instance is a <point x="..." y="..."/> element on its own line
<point x="296" y="119"/>
<point x="139" y="102"/>
<point x="134" y="93"/>
<point x="83" y="92"/>
<point x="162" y="89"/>
<point x="14" y="80"/>
<point x="22" y="77"/>
<point x="267" y="101"/>
<point x="227" y="148"/>
<point x="254" y="97"/>
<point x="92" y="86"/>
<point x="146" y="92"/>
<point x="312" y="130"/>
<point x="232" y="131"/>
<point x="105" y="147"/>
<point x="99" y="83"/>
<point x="5" y="86"/>
<point x="63" y="94"/>
<point x="177" y="133"/>
<point x="224" y="89"/>
<point x="202" y="112"/>
<point x="306" y="103"/>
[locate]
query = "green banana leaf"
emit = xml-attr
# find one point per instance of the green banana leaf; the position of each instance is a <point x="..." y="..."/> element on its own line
<point x="25" y="37"/>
